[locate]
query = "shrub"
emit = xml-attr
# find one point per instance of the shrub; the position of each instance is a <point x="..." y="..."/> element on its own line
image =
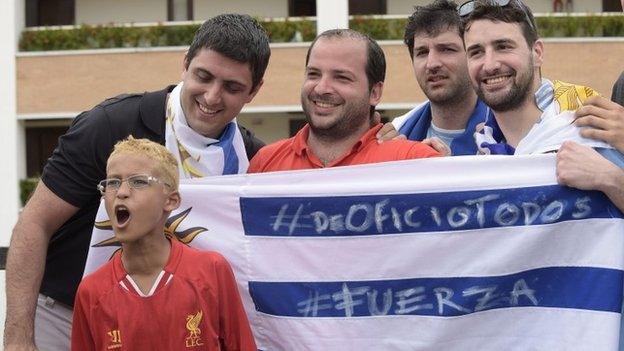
<point x="27" y="186"/>
<point x="93" y="37"/>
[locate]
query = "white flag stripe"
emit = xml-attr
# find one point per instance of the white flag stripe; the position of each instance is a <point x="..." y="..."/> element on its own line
<point x="439" y="254"/>
<point x="494" y="330"/>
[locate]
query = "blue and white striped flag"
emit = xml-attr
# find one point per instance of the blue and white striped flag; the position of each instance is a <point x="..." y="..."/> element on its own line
<point x="467" y="253"/>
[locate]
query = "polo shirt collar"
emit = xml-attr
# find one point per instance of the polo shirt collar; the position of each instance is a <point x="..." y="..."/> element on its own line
<point x="300" y="140"/>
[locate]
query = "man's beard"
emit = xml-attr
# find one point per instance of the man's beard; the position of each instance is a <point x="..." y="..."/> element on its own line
<point x="454" y="95"/>
<point x="354" y="115"/>
<point x="515" y="97"/>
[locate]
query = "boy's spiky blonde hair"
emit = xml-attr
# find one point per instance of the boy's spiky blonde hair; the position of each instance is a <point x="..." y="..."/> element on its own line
<point x="167" y="164"/>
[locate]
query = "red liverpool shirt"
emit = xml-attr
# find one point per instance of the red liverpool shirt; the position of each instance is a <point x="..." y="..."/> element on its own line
<point x="293" y="153"/>
<point x="194" y="305"/>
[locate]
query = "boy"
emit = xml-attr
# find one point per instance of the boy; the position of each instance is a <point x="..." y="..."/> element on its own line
<point x="156" y="293"/>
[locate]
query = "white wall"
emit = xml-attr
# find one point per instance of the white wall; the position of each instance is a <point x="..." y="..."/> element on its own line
<point x="128" y="11"/>
<point x="11" y="23"/>
<point x="267" y="8"/>
<point x="401" y="7"/>
<point x="331" y="14"/>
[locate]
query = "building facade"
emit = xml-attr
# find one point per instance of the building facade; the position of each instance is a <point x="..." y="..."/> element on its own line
<point x="47" y="89"/>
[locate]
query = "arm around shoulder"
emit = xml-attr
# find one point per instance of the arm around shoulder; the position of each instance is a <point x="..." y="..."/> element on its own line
<point x="421" y="150"/>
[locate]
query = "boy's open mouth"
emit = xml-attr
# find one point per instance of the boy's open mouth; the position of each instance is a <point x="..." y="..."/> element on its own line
<point x="122" y="214"/>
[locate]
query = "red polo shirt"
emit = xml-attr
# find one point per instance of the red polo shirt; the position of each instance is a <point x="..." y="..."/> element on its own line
<point x="293" y="153"/>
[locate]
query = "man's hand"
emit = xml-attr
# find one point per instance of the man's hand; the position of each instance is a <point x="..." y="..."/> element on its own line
<point x="602" y="119"/>
<point x="582" y="167"/>
<point x="387" y="132"/>
<point x="438" y="145"/>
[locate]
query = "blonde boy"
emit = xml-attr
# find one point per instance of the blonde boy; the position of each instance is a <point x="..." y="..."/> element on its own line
<point x="156" y="293"/>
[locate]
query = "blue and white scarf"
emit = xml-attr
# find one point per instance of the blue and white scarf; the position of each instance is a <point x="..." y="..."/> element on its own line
<point x="415" y="124"/>
<point x="199" y="156"/>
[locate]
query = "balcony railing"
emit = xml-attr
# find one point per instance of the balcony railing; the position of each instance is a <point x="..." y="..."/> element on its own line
<point x="281" y="30"/>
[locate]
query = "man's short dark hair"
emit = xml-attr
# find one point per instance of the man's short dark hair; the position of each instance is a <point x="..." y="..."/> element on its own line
<point x="433" y="19"/>
<point x="375" y="61"/>
<point x="235" y="36"/>
<point x="514" y="12"/>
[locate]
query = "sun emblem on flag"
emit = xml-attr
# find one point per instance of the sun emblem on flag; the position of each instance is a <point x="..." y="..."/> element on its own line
<point x="171" y="229"/>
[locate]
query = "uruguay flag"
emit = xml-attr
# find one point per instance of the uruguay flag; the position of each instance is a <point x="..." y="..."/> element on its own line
<point x="470" y="253"/>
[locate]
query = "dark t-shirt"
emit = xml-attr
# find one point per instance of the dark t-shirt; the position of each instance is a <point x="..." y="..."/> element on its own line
<point x="617" y="95"/>
<point x="79" y="162"/>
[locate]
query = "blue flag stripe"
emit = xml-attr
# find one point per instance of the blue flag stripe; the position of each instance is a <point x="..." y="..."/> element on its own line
<point x="417" y="213"/>
<point x="587" y="288"/>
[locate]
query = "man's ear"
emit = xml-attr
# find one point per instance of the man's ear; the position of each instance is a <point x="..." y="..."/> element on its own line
<point x="173" y="201"/>
<point x="538" y="53"/>
<point x="254" y="92"/>
<point x="375" y="94"/>
<point x="184" y="65"/>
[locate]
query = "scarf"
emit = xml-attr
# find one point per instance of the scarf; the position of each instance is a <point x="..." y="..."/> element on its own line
<point x="557" y="101"/>
<point x="418" y="121"/>
<point x="199" y="156"/>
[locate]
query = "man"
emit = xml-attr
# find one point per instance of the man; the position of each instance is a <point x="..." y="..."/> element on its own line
<point x="531" y="115"/>
<point x="223" y="70"/>
<point x="433" y="40"/>
<point x="344" y="76"/>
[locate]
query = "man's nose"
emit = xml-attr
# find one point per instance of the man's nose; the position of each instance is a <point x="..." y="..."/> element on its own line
<point x="433" y="61"/>
<point x="213" y="94"/>
<point x="323" y="85"/>
<point x="491" y="64"/>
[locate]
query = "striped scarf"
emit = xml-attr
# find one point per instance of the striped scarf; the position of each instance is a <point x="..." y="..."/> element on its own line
<point x="199" y="156"/>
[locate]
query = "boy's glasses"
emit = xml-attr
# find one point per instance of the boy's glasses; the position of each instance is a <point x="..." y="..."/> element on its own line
<point x="466" y="8"/>
<point x="134" y="182"/>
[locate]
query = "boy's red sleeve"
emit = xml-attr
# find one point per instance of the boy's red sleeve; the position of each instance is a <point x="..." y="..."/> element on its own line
<point x="81" y="338"/>
<point x="235" y="332"/>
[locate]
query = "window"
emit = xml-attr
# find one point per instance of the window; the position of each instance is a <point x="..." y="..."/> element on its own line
<point x="300" y="8"/>
<point x="40" y="142"/>
<point x="49" y="12"/>
<point x="356" y="7"/>
<point x="611" y="6"/>
<point x="367" y="7"/>
<point x="179" y="10"/>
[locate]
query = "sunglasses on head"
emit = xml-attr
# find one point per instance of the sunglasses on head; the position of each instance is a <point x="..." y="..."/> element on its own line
<point x="466" y="8"/>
